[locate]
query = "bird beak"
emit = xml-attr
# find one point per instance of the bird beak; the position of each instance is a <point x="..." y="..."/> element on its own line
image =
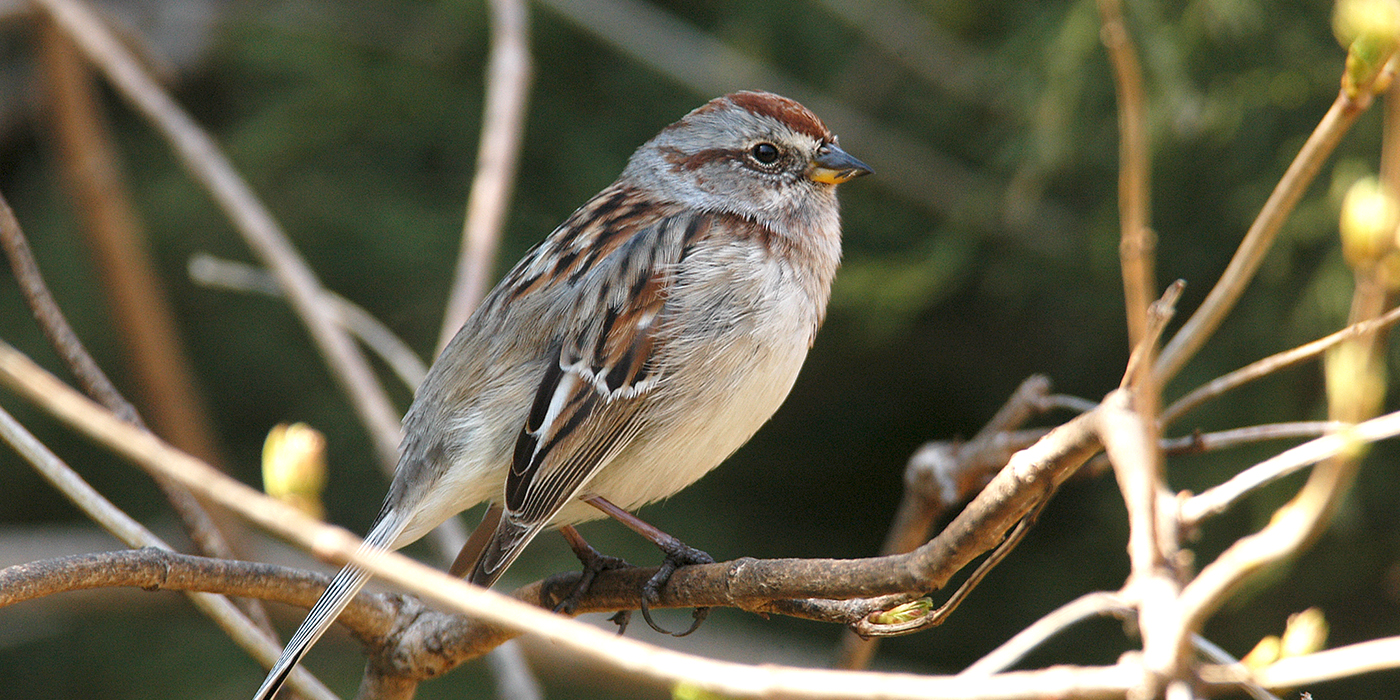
<point x="835" y="166"/>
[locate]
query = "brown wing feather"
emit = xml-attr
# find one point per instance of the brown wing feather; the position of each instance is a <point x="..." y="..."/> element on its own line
<point x="592" y="401"/>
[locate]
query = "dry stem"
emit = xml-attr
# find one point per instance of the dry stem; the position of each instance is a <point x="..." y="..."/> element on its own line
<point x="1274" y="363"/>
<point x="503" y="124"/>
<point x="1138" y="246"/>
<point x="744" y="583"/>
<point x="1257" y="241"/>
<point x="202" y="157"/>
<point x="221" y="610"/>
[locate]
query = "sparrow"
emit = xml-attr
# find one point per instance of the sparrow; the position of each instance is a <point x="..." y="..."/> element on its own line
<point x="634" y="349"/>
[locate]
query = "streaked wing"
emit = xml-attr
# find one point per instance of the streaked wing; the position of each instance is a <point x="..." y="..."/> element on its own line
<point x="594" y="394"/>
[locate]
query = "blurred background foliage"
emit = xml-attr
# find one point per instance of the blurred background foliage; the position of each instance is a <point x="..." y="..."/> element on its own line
<point x="985" y="250"/>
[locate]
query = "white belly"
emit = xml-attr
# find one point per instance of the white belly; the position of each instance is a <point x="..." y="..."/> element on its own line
<point x="728" y="396"/>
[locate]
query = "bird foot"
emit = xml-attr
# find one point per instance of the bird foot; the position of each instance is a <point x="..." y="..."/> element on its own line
<point x="594" y="563"/>
<point x="678" y="554"/>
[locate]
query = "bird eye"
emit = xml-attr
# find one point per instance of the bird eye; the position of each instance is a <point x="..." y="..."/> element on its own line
<point x="765" y="153"/>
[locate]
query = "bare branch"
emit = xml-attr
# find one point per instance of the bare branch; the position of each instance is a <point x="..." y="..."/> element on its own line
<point x="1135" y="462"/>
<point x="1013" y="650"/>
<point x="216" y="272"/>
<point x="1217" y="655"/>
<point x="1332" y="664"/>
<point x="514" y="679"/>
<point x="202" y="157"/>
<point x="221" y="610"/>
<point x="1137" y="247"/>
<point x="942" y="474"/>
<point x="1159" y="314"/>
<point x="1219" y="498"/>
<point x="1273" y="363"/>
<point x="909" y="622"/>
<point x="1292" y="526"/>
<point x="113" y="232"/>
<point x="1030" y="475"/>
<point x="1069" y="403"/>
<point x="156" y="569"/>
<point x="52" y="322"/>
<point x="502" y="126"/>
<point x="1225" y="439"/>
<point x="138" y="304"/>
<point x="200" y="526"/>
<point x="1260" y="237"/>
<point x="1153" y="586"/>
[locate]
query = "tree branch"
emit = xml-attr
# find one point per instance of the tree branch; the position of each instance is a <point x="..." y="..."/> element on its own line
<point x="223" y="612"/>
<point x="138" y="304"/>
<point x="228" y="274"/>
<point x="942" y="474"/>
<point x="508" y="77"/>
<point x="1273" y="363"/>
<point x="1290" y="188"/>
<point x="1137" y="246"/>
<point x="202" y="157"/>
<point x="744" y="583"/>
<point x="1319" y="667"/>
<point x="1013" y="650"/>
<point x="202" y="529"/>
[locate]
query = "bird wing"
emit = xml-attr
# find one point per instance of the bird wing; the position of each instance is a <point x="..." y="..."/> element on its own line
<point x="595" y="391"/>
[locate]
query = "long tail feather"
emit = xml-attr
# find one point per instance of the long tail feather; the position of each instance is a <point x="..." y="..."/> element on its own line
<point x="506" y="543"/>
<point x="342" y="589"/>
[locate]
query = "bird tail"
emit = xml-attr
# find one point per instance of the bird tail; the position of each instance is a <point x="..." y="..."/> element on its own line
<point x="343" y="587"/>
<point x="506" y="543"/>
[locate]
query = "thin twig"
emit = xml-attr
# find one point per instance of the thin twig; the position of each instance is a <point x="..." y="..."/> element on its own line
<point x="1137" y="247"/>
<point x="1013" y="493"/>
<point x="1319" y="667"/>
<point x="1219" y="498"/>
<point x="1292" y="527"/>
<point x="1226" y="439"/>
<point x="52" y="322"/>
<point x="1159" y="314"/>
<point x="867" y="627"/>
<point x="201" y="527"/>
<point x="207" y="163"/>
<point x="1260" y="237"/>
<point x="508" y="76"/>
<point x="1273" y="363"/>
<point x="1352" y="386"/>
<point x="941" y="474"/>
<point x="1070" y="403"/>
<point x="514" y="679"/>
<point x="156" y="569"/>
<point x="221" y="610"/>
<point x="139" y="307"/>
<point x="1215" y="654"/>
<point x="1013" y="650"/>
<point x="216" y="272"/>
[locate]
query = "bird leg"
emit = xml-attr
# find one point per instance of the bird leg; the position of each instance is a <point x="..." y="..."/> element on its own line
<point x="594" y="562"/>
<point x="677" y="553"/>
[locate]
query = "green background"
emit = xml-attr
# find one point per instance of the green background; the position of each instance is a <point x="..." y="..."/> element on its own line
<point x="357" y="122"/>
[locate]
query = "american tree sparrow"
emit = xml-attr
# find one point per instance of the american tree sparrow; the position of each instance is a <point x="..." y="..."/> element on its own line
<point x="628" y="354"/>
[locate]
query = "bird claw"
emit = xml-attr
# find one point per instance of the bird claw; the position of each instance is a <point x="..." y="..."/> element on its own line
<point x="621" y="618"/>
<point x="594" y="563"/>
<point x="677" y="555"/>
